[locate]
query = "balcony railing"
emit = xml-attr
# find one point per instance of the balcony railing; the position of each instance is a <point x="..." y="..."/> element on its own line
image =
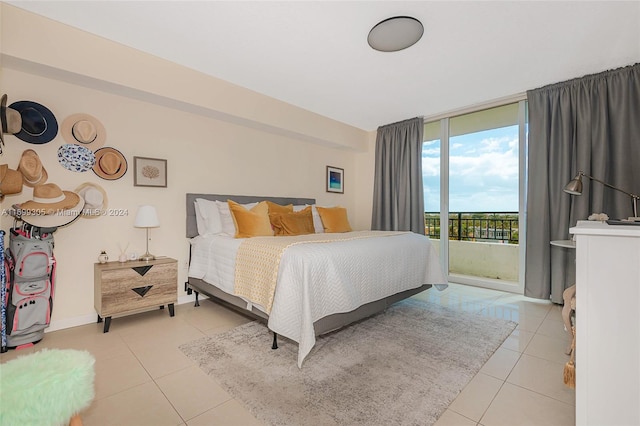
<point x="476" y="226"/>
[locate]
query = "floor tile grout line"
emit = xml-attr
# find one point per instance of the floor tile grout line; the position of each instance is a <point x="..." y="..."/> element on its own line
<point x="542" y="394"/>
<point x="501" y="386"/>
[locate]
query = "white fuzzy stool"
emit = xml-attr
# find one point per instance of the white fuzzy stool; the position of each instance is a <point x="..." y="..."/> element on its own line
<point x="48" y="387"/>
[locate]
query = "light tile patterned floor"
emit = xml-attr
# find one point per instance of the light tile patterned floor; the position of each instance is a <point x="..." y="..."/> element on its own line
<point x="142" y="378"/>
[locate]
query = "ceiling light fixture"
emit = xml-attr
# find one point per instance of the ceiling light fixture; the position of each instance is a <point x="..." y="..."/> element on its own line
<point x="396" y="33"/>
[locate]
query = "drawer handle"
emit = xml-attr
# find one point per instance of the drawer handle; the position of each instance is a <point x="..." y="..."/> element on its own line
<point x="142" y="269"/>
<point x="142" y="290"/>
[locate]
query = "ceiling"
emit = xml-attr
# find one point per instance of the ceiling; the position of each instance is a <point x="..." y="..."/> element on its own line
<point x="314" y="54"/>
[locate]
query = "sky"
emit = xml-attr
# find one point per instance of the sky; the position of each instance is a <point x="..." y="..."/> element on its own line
<point x="483" y="172"/>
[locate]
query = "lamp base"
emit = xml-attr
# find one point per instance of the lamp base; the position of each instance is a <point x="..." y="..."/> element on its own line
<point x="147" y="257"/>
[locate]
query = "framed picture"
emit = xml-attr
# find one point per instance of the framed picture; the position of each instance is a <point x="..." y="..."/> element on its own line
<point x="149" y="172"/>
<point x="335" y="179"/>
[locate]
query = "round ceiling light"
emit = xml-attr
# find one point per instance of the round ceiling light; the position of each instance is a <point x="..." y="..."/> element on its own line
<point x="396" y="33"/>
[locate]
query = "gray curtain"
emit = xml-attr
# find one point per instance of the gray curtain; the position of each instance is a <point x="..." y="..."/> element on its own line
<point x="589" y="124"/>
<point x="398" y="195"/>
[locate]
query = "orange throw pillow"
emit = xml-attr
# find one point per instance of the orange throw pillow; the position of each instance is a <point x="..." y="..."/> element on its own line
<point x="293" y="223"/>
<point x="251" y="223"/>
<point x="277" y="208"/>
<point x="334" y="219"/>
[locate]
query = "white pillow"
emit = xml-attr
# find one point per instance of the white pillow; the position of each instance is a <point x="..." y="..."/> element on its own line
<point x="200" y="222"/>
<point x="226" y="220"/>
<point x="317" y="222"/>
<point x="209" y="223"/>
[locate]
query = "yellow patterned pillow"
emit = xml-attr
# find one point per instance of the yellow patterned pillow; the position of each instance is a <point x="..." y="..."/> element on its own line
<point x="334" y="219"/>
<point x="251" y="223"/>
<point x="293" y="223"/>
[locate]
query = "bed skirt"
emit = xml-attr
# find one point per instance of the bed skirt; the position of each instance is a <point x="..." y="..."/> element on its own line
<point x="323" y="325"/>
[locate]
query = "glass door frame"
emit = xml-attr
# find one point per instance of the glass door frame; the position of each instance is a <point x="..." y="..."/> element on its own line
<point x="444" y="207"/>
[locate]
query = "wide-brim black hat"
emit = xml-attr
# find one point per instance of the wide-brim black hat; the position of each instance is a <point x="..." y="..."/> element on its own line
<point x="39" y="125"/>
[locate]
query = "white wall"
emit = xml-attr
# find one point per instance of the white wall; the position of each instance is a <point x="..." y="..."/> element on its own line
<point x="482" y="259"/>
<point x="217" y="138"/>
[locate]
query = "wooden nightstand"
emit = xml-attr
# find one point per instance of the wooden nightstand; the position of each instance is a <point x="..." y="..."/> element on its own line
<point x="126" y="287"/>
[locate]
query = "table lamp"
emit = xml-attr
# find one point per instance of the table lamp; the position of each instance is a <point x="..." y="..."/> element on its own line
<point x="574" y="187"/>
<point x="147" y="217"/>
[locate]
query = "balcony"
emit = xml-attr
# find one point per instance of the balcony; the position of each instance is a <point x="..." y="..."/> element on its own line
<point x="481" y="244"/>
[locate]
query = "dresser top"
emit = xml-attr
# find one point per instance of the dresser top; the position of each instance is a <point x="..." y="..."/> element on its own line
<point x="133" y="263"/>
<point x="591" y="227"/>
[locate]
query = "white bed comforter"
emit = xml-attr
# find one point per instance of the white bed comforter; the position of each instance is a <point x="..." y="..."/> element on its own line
<point x="317" y="280"/>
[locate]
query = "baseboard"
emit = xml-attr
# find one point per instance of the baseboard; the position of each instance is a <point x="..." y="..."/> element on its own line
<point x="92" y="318"/>
<point x="492" y="284"/>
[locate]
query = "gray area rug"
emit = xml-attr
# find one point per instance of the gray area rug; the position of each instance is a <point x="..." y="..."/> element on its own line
<point x="401" y="367"/>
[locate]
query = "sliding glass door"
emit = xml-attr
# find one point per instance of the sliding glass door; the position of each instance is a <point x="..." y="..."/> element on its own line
<point x="473" y="174"/>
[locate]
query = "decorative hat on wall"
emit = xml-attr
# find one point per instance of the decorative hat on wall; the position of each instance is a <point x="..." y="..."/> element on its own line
<point x="84" y="130"/>
<point x="39" y="125"/>
<point x="10" y="181"/>
<point x="110" y="164"/>
<point x="76" y="158"/>
<point x="33" y="172"/>
<point x="95" y="199"/>
<point x="51" y="206"/>
<point x="9" y="118"/>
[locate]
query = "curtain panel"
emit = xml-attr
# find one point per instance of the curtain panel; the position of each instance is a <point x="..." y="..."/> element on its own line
<point x="398" y="194"/>
<point x="589" y="124"/>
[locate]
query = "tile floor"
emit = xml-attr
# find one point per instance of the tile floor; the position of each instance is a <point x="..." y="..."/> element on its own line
<point x="142" y="378"/>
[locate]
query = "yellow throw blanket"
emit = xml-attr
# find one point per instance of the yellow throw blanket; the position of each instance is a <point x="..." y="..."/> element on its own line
<point x="258" y="261"/>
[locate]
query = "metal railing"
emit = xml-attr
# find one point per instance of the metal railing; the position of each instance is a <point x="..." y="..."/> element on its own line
<point x="476" y="226"/>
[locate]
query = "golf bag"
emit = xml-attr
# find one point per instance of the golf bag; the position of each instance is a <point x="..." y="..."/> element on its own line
<point x="30" y="282"/>
<point x="3" y="291"/>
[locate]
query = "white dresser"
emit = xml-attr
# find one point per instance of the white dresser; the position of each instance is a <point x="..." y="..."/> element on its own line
<point x="607" y="324"/>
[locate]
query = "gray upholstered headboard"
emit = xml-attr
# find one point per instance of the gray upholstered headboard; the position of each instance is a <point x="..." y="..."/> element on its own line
<point x="192" y="228"/>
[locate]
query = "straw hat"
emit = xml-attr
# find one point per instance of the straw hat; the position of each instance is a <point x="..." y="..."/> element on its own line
<point x="10" y="181"/>
<point x="10" y="119"/>
<point x="76" y="158"/>
<point x="51" y="206"/>
<point x="84" y="130"/>
<point x="33" y="172"/>
<point x="110" y="164"/>
<point x="95" y="199"/>
<point x="39" y="125"/>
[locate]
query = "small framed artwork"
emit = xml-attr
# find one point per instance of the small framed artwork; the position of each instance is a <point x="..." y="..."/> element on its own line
<point x="335" y="179"/>
<point x="149" y="172"/>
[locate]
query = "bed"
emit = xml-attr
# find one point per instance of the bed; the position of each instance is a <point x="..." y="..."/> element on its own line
<point x="322" y="285"/>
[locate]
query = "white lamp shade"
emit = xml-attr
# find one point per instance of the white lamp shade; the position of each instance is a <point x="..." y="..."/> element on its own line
<point x="147" y="217"/>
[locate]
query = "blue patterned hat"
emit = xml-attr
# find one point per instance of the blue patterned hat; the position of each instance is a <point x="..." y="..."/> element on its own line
<point x="76" y="158"/>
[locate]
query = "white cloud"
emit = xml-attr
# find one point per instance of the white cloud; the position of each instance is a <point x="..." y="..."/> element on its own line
<point x="430" y="166"/>
<point x="498" y="157"/>
<point x="483" y="173"/>
<point x="431" y="152"/>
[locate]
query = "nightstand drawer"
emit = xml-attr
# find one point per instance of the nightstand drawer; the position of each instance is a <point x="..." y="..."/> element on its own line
<point x="126" y="290"/>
